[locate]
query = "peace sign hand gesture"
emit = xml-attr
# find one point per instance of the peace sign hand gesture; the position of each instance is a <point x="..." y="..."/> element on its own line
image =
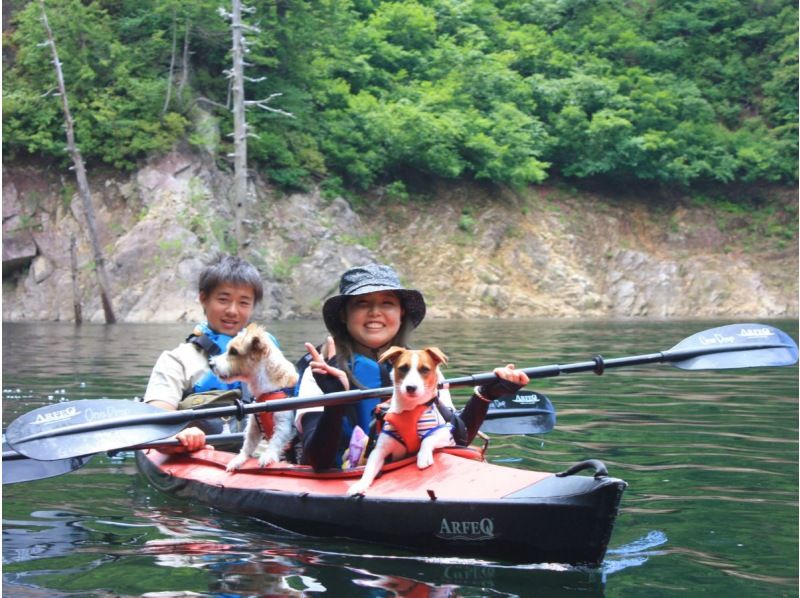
<point x="328" y="377"/>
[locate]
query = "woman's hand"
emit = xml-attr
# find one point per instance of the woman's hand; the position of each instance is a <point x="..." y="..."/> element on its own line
<point x="509" y="381"/>
<point x="512" y="375"/>
<point x="323" y="369"/>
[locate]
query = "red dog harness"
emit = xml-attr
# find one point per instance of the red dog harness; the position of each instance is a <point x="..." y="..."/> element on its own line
<point x="265" y="419"/>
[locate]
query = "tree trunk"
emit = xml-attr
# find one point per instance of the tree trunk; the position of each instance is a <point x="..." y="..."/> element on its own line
<point x="184" y="64"/>
<point x="239" y="124"/>
<point x="76" y="295"/>
<point x="83" y="183"/>
<point x="171" y="63"/>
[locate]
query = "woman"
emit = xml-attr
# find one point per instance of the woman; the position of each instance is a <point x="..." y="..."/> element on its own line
<point x="371" y="313"/>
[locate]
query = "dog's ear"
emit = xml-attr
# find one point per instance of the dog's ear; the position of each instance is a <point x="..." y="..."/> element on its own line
<point x="390" y="354"/>
<point x="436" y="354"/>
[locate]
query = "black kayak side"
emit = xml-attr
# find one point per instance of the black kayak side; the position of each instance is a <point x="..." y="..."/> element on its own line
<point x="460" y="506"/>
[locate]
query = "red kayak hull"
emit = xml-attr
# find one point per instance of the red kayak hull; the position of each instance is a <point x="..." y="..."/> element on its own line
<point x="460" y="506"/>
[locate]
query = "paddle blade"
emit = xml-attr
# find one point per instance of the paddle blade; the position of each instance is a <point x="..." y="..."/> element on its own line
<point x="736" y="346"/>
<point x="526" y="412"/>
<point x="60" y="431"/>
<point x="18" y="468"/>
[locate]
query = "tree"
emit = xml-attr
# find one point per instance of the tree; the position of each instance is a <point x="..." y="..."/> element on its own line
<point x="240" y="132"/>
<point x="80" y="175"/>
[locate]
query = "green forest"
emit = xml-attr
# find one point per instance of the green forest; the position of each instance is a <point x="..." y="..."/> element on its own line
<point x="513" y="92"/>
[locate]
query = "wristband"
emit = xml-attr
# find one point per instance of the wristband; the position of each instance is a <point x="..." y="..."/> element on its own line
<point x="478" y="391"/>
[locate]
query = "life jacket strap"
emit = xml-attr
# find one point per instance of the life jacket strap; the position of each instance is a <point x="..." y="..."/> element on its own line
<point x="205" y="343"/>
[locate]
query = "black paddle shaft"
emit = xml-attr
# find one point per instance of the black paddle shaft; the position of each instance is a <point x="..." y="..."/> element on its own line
<point x="104" y="424"/>
<point x="599" y="364"/>
<point x="180" y="418"/>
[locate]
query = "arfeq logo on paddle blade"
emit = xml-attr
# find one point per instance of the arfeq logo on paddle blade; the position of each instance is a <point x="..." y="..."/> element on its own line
<point x="527" y="398"/>
<point x="55" y="416"/>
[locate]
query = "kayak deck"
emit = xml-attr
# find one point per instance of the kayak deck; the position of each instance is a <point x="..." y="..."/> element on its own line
<point x="446" y="478"/>
<point x="461" y="505"/>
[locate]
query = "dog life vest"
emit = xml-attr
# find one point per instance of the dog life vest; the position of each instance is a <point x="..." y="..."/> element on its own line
<point x="410" y="428"/>
<point x="265" y="419"/>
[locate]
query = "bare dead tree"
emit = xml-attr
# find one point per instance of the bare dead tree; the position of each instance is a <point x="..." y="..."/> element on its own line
<point x="239" y="123"/>
<point x="171" y="63"/>
<point x="80" y="175"/>
<point x="240" y="104"/>
<point x="184" y="62"/>
<point x="76" y="296"/>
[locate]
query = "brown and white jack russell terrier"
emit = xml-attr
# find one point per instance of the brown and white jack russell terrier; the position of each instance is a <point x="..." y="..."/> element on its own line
<point x="412" y="424"/>
<point x="253" y="357"/>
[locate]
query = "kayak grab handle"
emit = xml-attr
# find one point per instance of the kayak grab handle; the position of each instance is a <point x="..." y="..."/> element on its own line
<point x="599" y="467"/>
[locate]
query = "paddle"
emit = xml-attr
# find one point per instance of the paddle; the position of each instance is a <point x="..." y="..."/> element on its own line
<point x="19" y="468"/>
<point x="526" y="412"/>
<point x="101" y="425"/>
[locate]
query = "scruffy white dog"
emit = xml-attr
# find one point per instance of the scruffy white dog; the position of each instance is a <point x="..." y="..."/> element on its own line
<point x="253" y="357"/>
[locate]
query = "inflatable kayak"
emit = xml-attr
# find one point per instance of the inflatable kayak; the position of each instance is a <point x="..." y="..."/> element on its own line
<point x="460" y="506"/>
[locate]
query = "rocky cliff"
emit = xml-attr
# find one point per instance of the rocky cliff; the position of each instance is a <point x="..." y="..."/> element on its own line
<point x="474" y="251"/>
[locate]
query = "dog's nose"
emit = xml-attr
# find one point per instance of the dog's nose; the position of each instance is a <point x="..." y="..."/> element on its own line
<point x="411" y="388"/>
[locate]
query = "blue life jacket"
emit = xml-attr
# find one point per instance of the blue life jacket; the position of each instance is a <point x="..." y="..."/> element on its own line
<point x="213" y="343"/>
<point x="368" y="372"/>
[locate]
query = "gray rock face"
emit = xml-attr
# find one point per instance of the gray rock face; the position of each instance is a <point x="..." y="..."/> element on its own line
<point x="538" y="258"/>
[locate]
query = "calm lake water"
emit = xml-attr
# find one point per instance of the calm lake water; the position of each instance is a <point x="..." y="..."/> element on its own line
<point x="711" y="459"/>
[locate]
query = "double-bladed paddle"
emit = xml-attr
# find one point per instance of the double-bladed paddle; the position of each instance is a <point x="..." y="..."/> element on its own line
<point x="19" y="468"/>
<point x="526" y="412"/>
<point x="103" y="425"/>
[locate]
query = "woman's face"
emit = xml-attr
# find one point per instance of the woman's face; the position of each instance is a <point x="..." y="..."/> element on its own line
<point x="374" y="319"/>
<point x="228" y="307"/>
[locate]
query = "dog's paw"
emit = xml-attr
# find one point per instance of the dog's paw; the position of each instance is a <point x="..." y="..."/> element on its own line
<point x="358" y="488"/>
<point x="268" y="458"/>
<point x="424" y="459"/>
<point x="236" y="462"/>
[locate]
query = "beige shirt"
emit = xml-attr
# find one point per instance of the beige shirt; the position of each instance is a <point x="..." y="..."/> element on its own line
<point x="175" y="374"/>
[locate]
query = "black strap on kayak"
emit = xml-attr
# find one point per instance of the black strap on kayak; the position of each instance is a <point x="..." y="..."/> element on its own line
<point x="599" y="467"/>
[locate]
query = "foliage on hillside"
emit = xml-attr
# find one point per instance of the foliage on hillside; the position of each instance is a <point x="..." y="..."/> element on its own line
<point x="509" y="91"/>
